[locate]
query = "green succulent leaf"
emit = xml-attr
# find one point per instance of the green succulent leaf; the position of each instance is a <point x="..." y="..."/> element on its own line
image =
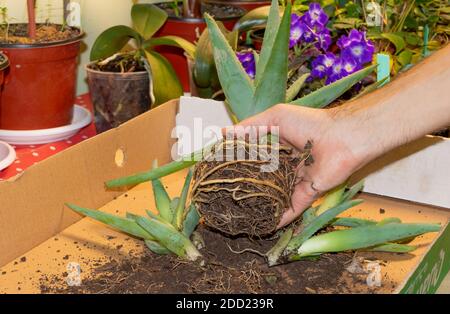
<point x="156" y="248"/>
<point x="236" y="84"/>
<point x="393" y="248"/>
<point x="327" y="94"/>
<point x="275" y="253"/>
<point x="352" y="222"/>
<point x="179" y="212"/>
<point x="126" y="225"/>
<point x="295" y="88"/>
<point x="112" y="40"/>
<point x="173" y="41"/>
<point x="162" y="199"/>
<point x="355" y="189"/>
<point x="319" y="223"/>
<point x="362" y="237"/>
<point x="271" y="88"/>
<point x="390" y="220"/>
<point x="332" y="199"/>
<point x="147" y="19"/>
<point x="166" y="84"/>
<point x="191" y="221"/>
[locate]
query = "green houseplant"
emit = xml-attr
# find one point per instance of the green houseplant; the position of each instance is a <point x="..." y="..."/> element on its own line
<point x="137" y="77"/>
<point x="246" y="97"/>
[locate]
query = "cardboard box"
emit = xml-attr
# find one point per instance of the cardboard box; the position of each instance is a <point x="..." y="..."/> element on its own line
<point x="39" y="235"/>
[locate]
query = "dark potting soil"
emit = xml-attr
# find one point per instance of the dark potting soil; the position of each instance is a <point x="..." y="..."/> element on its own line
<point x="218" y="11"/>
<point x="122" y="63"/>
<point x="45" y="33"/>
<point x="224" y="272"/>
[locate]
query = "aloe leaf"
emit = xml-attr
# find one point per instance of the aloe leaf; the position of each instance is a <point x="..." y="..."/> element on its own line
<point x="162" y="199"/>
<point x="352" y="222"/>
<point x="389" y="221"/>
<point x="170" y="238"/>
<point x="147" y="19"/>
<point x="166" y="84"/>
<point x="191" y="221"/>
<point x="309" y="215"/>
<point x="358" y="187"/>
<point x="156" y="248"/>
<point x="363" y="237"/>
<point x="273" y="23"/>
<point x="236" y="84"/>
<point x="318" y="223"/>
<point x="372" y="87"/>
<point x="173" y="41"/>
<point x="295" y="88"/>
<point x="123" y="224"/>
<point x="112" y="41"/>
<point x="393" y="248"/>
<point x="327" y="94"/>
<point x="179" y="212"/>
<point x="275" y="253"/>
<point x="272" y="86"/>
<point x="332" y="199"/>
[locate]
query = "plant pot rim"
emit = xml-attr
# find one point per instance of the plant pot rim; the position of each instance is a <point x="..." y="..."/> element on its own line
<point x="44" y="45"/>
<point x="88" y="69"/>
<point x="5" y="64"/>
<point x="194" y="20"/>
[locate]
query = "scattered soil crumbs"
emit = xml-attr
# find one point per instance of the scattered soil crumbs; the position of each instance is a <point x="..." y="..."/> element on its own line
<point x="45" y="33"/>
<point x="224" y="272"/>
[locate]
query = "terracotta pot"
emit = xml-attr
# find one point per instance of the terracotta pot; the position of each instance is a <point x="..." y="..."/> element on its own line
<point x="245" y="4"/>
<point x="39" y="89"/>
<point x="117" y="97"/>
<point x="189" y="29"/>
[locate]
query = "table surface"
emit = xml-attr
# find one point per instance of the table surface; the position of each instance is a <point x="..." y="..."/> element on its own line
<point x="28" y="155"/>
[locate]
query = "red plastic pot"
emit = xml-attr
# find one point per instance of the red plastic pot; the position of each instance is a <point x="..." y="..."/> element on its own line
<point x="3" y="67"/>
<point x="189" y="29"/>
<point x="39" y="89"/>
<point x="245" y="4"/>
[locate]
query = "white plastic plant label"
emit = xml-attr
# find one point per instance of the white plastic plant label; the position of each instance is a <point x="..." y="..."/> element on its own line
<point x="73" y="14"/>
<point x="374" y="15"/>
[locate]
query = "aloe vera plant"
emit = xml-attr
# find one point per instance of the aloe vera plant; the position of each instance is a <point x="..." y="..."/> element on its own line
<point x="168" y="231"/>
<point x="147" y="20"/>
<point x="247" y="97"/>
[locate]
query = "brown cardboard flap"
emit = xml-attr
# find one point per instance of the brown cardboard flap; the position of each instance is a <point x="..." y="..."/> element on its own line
<point x="32" y="205"/>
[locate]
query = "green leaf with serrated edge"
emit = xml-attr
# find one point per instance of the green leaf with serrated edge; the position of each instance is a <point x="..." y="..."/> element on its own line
<point x="162" y="199"/>
<point x="147" y="19"/>
<point x="123" y="224"/>
<point x="295" y="88"/>
<point x="389" y="221"/>
<point x="271" y="89"/>
<point x="352" y="222"/>
<point x="166" y="84"/>
<point x="355" y="189"/>
<point x="173" y="41"/>
<point x="332" y="199"/>
<point x="170" y="238"/>
<point x="191" y="221"/>
<point x="392" y="248"/>
<point x="362" y="237"/>
<point x="327" y="94"/>
<point x="273" y="23"/>
<point x="319" y="223"/>
<point x="236" y="84"/>
<point x="275" y="253"/>
<point x="156" y="248"/>
<point x="179" y="212"/>
<point x="112" y="40"/>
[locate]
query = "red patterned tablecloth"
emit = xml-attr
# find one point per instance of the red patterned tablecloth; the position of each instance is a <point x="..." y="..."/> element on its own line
<point x="29" y="155"/>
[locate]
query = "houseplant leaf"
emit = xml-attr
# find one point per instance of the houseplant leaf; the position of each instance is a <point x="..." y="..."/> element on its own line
<point x="272" y="86"/>
<point x="166" y="85"/>
<point x="123" y="224"/>
<point x="162" y="199"/>
<point x="237" y="86"/>
<point x="173" y="41"/>
<point x="398" y="41"/>
<point x="191" y="221"/>
<point x="156" y="248"/>
<point x="253" y="18"/>
<point x="327" y="94"/>
<point x="295" y="88"/>
<point x="179" y="212"/>
<point x="112" y="41"/>
<point x="147" y="19"/>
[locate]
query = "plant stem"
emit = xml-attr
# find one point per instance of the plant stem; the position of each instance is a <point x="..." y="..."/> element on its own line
<point x="31" y="18"/>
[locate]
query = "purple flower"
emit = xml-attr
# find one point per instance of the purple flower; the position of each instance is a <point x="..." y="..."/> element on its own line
<point x="337" y="72"/>
<point x="315" y="16"/>
<point x="247" y="59"/>
<point x="356" y="46"/>
<point x="350" y="65"/>
<point x="323" y="65"/>
<point x="296" y="30"/>
<point x="323" y="40"/>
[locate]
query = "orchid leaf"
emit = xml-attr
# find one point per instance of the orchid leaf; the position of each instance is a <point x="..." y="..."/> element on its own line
<point x="123" y="224"/>
<point x="236" y="84"/>
<point x="112" y="40"/>
<point x="253" y="18"/>
<point x="362" y="237"/>
<point x="272" y="86"/>
<point x="173" y="41"/>
<point x="147" y="19"/>
<point x="327" y="94"/>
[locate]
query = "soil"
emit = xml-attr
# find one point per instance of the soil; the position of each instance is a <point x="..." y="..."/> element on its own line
<point x="122" y="63"/>
<point x="222" y="273"/>
<point x="218" y="11"/>
<point x="45" y="33"/>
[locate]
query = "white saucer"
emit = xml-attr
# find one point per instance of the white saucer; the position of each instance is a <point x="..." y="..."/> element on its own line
<point x="81" y="118"/>
<point x="7" y="155"/>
